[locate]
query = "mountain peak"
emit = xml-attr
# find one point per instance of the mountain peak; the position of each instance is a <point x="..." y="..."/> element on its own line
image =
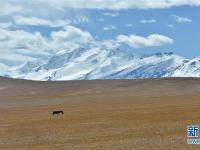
<point x="102" y="63"/>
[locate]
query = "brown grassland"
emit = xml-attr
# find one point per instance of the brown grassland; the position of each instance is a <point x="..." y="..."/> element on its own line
<point x="147" y="114"/>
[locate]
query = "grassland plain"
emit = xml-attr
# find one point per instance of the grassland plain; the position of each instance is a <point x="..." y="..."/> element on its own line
<point x="98" y="115"/>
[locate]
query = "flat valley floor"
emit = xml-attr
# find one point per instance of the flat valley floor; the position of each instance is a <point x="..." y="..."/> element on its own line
<point x="147" y="114"/>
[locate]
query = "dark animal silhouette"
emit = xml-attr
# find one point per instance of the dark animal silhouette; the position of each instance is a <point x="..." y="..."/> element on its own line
<point x="58" y="112"/>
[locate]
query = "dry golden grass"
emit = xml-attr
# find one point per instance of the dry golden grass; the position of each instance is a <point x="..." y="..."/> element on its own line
<point x="99" y="115"/>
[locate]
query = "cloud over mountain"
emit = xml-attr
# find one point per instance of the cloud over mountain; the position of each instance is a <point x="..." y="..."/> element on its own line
<point x="70" y="37"/>
<point x="26" y="45"/>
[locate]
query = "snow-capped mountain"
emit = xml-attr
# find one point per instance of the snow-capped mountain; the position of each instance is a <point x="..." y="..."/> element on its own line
<point x="101" y="63"/>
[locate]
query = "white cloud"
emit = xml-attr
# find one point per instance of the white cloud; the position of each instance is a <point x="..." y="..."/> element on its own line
<point x="109" y="27"/>
<point x="18" y="46"/>
<point x="170" y="25"/>
<point x="70" y="38"/>
<point x="42" y="8"/>
<point x="181" y="19"/>
<point x="80" y="19"/>
<point x="5" y="25"/>
<point x="26" y="45"/>
<point x="121" y="4"/>
<point x="7" y="9"/>
<point x="145" y="21"/>
<point x="21" y="40"/>
<point x="111" y="14"/>
<point x="34" y="21"/>
<point x="136" y="41"/>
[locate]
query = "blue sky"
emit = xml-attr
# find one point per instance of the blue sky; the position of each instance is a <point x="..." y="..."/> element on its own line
<point x="34" y="29"/>
<point x="185" y="34"/>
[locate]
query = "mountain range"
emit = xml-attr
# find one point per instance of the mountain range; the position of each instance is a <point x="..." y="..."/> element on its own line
<point x="98" y="63"/>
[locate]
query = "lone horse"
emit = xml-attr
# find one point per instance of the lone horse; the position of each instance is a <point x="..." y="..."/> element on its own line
<point x="58" y="112"/>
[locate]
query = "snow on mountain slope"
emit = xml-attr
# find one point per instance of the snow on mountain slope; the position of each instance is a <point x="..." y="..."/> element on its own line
<point x="101" y="63"/>
<point x="155" y="66"/>
<point x="190" y="68"/>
